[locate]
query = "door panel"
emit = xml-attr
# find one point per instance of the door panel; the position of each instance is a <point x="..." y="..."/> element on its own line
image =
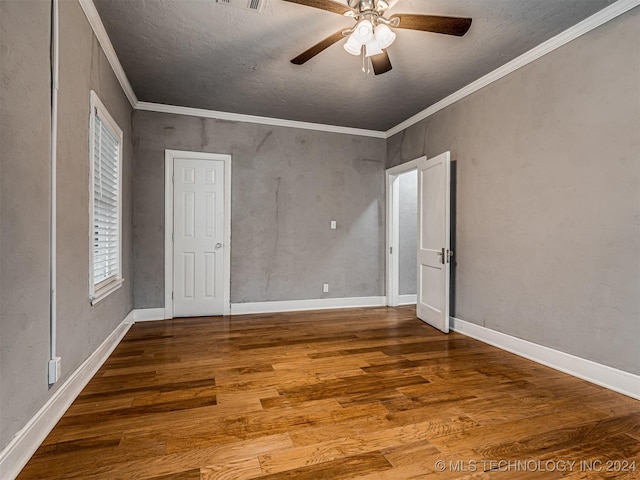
<point x="188" y="280"/>
<point x="434" y="192"/>
<point x="198" y="237"/>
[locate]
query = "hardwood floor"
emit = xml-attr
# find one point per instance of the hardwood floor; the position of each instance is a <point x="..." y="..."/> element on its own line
<point x="363" y="393"/>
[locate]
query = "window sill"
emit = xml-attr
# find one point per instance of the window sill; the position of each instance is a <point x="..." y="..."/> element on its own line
<point x="105" y="290"/>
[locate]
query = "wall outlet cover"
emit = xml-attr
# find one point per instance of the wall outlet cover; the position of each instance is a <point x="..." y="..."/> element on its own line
<point x="55" y="370"/>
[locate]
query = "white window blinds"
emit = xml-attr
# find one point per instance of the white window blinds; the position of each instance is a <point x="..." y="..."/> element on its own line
<point x="106" y="139"/>
<point x="106" y="196"/>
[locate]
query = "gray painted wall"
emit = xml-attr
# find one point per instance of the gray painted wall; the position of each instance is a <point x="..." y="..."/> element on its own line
<point x="24" y="211"/>
<point x="287" y="185"/>
<point x="24" y="251"/>
<point x="548" y="196"/>
<point x="408" y="229"/>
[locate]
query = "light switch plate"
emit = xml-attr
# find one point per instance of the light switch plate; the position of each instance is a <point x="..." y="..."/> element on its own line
<point x="333" y="225"/>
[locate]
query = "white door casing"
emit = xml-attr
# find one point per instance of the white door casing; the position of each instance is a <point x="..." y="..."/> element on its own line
<point x="198" y="275"/>
<point x="434" y="190"/>
<point x="393" y="228"/>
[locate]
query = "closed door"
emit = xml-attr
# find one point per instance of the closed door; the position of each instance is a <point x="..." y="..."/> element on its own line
<point x="198" y="243"/>
<point x="434" y="190"/>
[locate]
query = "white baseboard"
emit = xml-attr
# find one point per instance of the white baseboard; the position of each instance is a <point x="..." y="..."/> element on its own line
<point x="407" y="299"/>
<point x="301" y="305"/>
<point x="23" y="445"/>
<point x="148" y="314"/>
<point x="153" y="314"/>
<point x="603" y="375"/>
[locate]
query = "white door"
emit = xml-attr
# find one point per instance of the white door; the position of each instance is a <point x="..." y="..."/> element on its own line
<point x="434" y="191"/>
<point x="198" y="244"/>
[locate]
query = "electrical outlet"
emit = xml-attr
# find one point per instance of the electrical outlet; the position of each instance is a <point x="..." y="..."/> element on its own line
<point x="55" y="369"/>
<point x="325" y="288"/>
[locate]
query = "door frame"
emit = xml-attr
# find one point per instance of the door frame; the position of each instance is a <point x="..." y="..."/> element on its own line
<point x="169" y="156"/>
<point x="393" y="228"/>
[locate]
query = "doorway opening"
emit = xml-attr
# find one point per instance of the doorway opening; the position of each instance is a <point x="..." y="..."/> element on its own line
<point x="402" y="234"/>
<point x="419" y="225"/>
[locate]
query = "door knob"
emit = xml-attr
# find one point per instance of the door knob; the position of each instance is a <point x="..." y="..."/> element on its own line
<point x="218" y="245"/>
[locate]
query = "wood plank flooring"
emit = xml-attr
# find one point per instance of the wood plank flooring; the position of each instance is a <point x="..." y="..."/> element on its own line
<point x="362" y="393"/>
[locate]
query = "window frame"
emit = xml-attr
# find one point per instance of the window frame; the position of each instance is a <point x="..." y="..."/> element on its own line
<point x="101" y="290"/>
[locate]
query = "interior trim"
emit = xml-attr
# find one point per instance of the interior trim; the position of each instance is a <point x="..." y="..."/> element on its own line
<point x="392" y="231"/>
<point x="302" y="305"/>
<point x="148" y="314"/>
<point x="409" y="299"/>
<point x="23" y="445"/>
<point x="238" y="117"/>
<point x="97" y="26"/>
<point x="594" y="21"/>
<point x="169" y="157"/>
<point x="603" y="375"/>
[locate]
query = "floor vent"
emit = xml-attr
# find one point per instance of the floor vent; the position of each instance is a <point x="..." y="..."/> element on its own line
<point x="252" y="5"/>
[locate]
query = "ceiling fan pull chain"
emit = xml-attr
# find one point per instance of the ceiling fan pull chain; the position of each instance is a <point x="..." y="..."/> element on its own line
<point x="366" y="64"/>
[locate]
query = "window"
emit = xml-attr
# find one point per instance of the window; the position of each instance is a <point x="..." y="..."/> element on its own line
<point x="105" y="208"/>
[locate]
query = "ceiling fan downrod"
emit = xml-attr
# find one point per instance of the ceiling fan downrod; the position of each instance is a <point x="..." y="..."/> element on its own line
<point x="371" y="10"/>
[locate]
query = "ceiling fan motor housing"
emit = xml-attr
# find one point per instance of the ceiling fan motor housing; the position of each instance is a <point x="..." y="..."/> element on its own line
<point x="368" y="5"/>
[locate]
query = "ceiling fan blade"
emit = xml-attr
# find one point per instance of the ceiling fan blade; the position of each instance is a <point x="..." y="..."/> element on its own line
<point x="328" y="5"/>
<point x="431" y="23"/>
<point x="381" y="63"/>
<point x="317" y="48"/>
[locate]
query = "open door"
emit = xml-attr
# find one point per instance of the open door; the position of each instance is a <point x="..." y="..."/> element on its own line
<point x="434" y="190"/>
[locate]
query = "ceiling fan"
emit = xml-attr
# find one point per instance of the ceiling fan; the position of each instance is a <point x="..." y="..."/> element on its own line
<point x="373" y="32"/>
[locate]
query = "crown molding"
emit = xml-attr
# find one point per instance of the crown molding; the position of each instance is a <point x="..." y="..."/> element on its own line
<point x="239" y="117"/>
<point x="594" y="21"/>
<point x="107" y="47"/>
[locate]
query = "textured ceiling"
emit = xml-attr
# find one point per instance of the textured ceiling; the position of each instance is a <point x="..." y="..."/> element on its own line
<point x="202" y="54"/>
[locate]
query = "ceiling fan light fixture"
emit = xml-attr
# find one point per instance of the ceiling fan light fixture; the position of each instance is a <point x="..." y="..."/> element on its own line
<point x="373" y="30"/>
<point x="384" y="36"/>
<point x="363" y="32"/>
<point x="352" y="45"/>
<point x="373" y="48"/>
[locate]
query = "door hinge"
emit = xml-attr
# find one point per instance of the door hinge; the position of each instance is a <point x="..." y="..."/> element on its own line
<point x="390" y="250"/>
<point x="171" y="295"/>
<point x="173" y="179"/>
